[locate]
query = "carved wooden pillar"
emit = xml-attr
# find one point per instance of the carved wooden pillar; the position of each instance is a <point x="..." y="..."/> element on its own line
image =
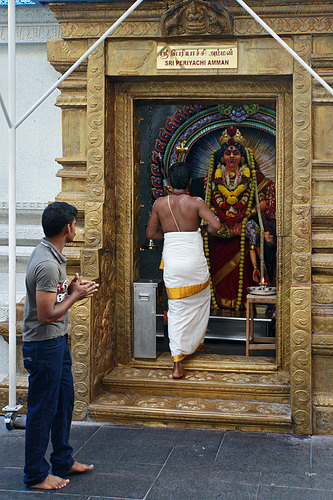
<point x="125" y="223"/>
<point x="300" y="295"/>
<point x="284" y="197"/>
<point x="83" y="185"/>
<point x="97" y="258"/>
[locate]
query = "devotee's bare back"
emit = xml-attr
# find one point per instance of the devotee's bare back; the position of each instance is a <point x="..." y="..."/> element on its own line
<point x="185" y="210"/>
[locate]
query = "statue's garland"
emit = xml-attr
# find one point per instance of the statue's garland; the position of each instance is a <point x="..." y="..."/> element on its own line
<point x="240" y="199"/>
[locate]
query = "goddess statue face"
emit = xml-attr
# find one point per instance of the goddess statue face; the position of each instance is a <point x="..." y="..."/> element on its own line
<point x="232" y="158"/>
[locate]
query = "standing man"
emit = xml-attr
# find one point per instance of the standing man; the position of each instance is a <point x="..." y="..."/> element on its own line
<point x="176" y="218"/>
<point x="46" y="354"/>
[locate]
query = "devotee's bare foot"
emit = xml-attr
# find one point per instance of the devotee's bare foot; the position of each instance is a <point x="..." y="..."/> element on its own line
<point x="178" y="370"/>
<point x="78" y="468"/>
<point x="51" y="483"/>
<point x="203" y="348"/>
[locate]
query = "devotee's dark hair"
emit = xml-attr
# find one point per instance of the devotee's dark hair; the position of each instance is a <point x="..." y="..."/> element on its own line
<point x="56" y="216"/>
<point x="180" y="175"/>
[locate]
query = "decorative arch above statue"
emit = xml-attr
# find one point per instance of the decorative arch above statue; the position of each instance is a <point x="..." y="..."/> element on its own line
<point x="197" y="128"/>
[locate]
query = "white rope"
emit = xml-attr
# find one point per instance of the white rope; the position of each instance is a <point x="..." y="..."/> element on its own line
<point x="78" y="62"/>
<point x="284" y="45"/>
<point x="5" y="112"/>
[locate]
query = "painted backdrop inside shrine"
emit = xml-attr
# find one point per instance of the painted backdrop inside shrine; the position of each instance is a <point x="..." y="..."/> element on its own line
<point x="192" y="132"/>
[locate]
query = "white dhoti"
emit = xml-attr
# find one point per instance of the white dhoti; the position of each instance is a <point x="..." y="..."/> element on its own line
<point x="186" y="278"/>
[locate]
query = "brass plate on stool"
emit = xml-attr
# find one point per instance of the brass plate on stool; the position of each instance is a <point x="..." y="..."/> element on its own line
<point x="259" y="290"/>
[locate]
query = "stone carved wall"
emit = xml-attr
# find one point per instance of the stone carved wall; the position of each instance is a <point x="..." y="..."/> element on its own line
<point x="145" y="21"/>
<point x="293" y="251"/>
<point x="300" y="367"/>
<point x="301" y="359"/>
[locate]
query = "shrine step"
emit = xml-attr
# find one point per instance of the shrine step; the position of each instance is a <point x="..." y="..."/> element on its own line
<point x="212" y="363"/>
<point x="204" y="384"/>
<point x="192" y="412"/>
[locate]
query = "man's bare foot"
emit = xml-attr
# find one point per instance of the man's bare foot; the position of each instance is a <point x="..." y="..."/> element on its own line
<point x="52" y="483"/>
<point x="78" y="468"/>
<point x="202" y="348"/>
<point x="178" y="370"/>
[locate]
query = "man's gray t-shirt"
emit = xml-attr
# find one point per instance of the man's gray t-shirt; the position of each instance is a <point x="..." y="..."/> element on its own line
<point x="46" y="271"/>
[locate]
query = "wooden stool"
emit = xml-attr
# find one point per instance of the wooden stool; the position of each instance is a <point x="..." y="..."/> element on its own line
<point x="252" y="342"/>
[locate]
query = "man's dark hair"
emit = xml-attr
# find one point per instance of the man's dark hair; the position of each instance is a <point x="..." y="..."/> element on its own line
<point x="56" y="216"/>
<point x="180" y="175"/>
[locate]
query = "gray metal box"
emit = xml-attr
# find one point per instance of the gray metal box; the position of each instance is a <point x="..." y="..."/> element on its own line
<point x="145" y="304"/>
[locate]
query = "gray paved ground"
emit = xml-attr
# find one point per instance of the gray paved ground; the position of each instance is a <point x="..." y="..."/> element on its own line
<point x="158" y="463"/>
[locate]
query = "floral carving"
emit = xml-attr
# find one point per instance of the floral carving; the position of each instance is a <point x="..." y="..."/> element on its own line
<point x="233" y="406"/>
<point x="95" y="122"/>
<point x="152" y="402"/>
<point x="323" y="421"/>
<point x="192" y="404"/>
<point x="196" y="17"/>
<point x="284" y="24"/>
<point x="323" y="293"/>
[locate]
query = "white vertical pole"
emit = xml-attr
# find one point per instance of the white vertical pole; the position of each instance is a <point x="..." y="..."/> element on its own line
<point x="12" y="203"/>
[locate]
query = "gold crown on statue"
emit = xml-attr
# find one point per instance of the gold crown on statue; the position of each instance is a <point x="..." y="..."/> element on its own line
<point x="232" y="135"/>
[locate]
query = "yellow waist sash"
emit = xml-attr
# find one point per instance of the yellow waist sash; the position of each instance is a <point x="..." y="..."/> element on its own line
<point x="185" y="291"/>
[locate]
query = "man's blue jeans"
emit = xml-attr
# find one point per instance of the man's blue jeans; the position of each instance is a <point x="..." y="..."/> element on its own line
<point x="50" y="408"/>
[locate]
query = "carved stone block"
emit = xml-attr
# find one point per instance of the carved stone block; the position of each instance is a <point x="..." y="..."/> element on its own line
<point x="301" y="268"/>
<point x="90" y="264"/>
<point x="300" y="363"/>
<point x="196" y="17"/>
<point x="93" y="225"/>
<point x="301" y="221"/>
<point x="323" y="294"/>
<point x="323" y="420"/>
<point x="80" y="349"/>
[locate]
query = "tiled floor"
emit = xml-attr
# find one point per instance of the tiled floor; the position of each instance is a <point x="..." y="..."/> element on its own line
<point x="159" y="463"/>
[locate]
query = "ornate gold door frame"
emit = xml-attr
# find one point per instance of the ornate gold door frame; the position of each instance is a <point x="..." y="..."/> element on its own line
<point x="127" y="179"/>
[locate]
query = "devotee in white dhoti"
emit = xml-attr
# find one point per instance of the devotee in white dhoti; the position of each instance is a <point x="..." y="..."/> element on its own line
<point x="176" y="218"/>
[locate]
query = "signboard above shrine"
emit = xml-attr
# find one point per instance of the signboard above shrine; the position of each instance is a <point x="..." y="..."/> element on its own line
<point x="195" y="56"/>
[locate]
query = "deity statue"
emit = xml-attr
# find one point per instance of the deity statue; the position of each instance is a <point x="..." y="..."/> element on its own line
<point x="242" y="197"/>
